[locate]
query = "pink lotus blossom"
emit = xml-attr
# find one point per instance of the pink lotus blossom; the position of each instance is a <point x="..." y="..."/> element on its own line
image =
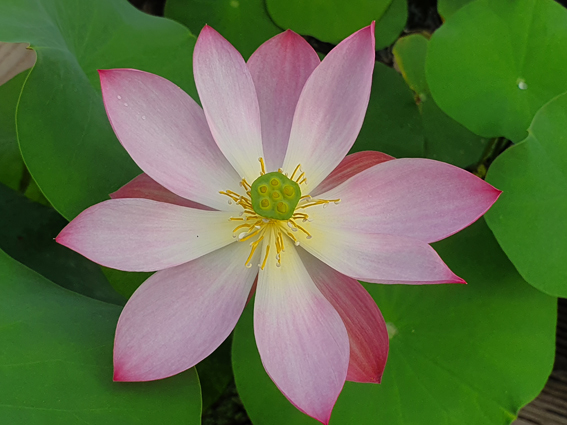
<point x="193" y="217"/>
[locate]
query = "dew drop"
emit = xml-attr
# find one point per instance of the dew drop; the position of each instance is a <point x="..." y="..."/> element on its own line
<point x="143" y="117"/>
<point x="125" y="104"/>
<point x="522" y="84"/>
<point x="119" y="97"/>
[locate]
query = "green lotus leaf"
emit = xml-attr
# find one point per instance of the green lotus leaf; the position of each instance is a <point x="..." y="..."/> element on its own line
<point x="245" y="23"/>
<point x="494" y="63"/>
<point x="529" y="218"/>
<point x="64" y="134"/>
<point x="334" y="20"/>
<point x="56" y="361"/>
<point x="445" y="139"/>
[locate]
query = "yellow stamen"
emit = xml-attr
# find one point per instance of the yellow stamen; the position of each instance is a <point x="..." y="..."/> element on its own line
<point x="253" y="226"/>
<point x="302" y="229"/>
<point x="295" y="171"/>
<point x="251" y="235"/>
<point x="265" y="257"/>
<point x="254" y="245"/>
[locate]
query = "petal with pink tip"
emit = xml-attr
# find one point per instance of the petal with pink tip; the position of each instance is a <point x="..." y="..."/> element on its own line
<point x="365" y="325"/>
<point x="351" y="164"/>
<point x="280" y="67"/>
<point x="377" y="258"/>
<point x="331" y="108"/>
<point x="144" y="187"/>
<point x="145" y="235"/>
<point x="417" y="198"/>
<point x="301" y="338"/>
<point x="229" y="100"/>
<point x="181" y="315"/>
<point x="166" y="134"/>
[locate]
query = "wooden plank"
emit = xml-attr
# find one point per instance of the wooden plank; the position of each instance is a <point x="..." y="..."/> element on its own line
<point x="550" y="407"/>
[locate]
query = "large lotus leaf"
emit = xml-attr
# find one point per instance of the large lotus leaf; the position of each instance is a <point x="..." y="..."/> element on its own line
<point x="334" y="20"/>
<point x="56" y="361"/>
<point x="64" y="134"/>
<point x="445" y="139"/>
<point x="27" y="230"/>
<point x="447" y="8"/>
<point x="392" y="123"/>
<point x="529" y="219"/>
<point x="11" y="163"/>
<point x="245" y="23"/>
<point x="494" y="63"/>
<point x="459" y="354"/>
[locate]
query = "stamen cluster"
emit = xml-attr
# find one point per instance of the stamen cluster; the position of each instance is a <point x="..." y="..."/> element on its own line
<point x="258" y="228"/>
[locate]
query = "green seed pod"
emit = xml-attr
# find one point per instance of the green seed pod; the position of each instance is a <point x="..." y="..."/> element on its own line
<point x="275" y="196"/>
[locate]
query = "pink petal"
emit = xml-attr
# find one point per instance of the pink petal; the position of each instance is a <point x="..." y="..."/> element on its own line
<point x="331" y="108"/>
<point x="145" y="235"/>
<point x="166" y="133"/>
<point x="365" y="325"/>
<point x="351" y="164"/>
<point x="377" y="258"/>
<point x="418" y="198"/>
<point x="145" y="187"/>
<point x="229" y="100"/>
<point x="301" y="338"/>
<point x="280" y="67"/>
<point x="181" y="315"/>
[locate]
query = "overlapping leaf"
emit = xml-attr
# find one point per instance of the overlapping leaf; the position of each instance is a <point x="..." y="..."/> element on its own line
<point x="334" y="20"/>
<point x="245" y="23"/>
<point x="56" y="361"/>
<point x="529" y="219"/>
<point x="494" y="63"/>
<point x="64" y="134"/>
<point x="445" y="139"/>
<point x="392" y="123"/>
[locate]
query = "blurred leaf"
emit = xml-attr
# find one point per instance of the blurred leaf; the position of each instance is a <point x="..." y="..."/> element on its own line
<point x="27" y="232"/>
<point x="11" y="163"/>
<point x="391" y="24"/>
<point x="245" y="23"/>
<point x="56" y="362"/>
<point x="529" y="218"/>
<point x="392" y="123"/>
<point x="445" y="139"/>
<point x="459" y="354"/>
<point x="334" y="20"/>
<point x="34" y="193"/>
<point x="447" y="8"/>
<point x="125" y="283"/>
<point x="215" y="373"/>
<point x="493" y="64"/>
<point x="64" y="134"/>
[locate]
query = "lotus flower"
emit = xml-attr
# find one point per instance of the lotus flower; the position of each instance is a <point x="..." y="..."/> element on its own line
<point x="256" y="185"/>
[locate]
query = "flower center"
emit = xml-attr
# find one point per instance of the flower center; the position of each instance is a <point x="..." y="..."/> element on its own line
<point x="272" y="208"/>
<point x="275" y="196"/>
